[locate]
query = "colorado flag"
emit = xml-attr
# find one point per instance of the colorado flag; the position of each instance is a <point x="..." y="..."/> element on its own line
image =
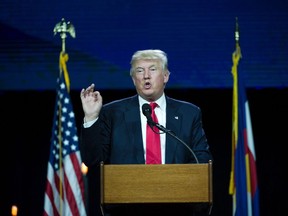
<point x="243" y="180"/>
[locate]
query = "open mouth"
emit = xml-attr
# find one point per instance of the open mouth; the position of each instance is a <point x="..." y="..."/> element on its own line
<point x="147" y="85"/>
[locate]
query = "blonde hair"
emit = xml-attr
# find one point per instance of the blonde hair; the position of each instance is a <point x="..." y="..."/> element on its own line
<point x="150" y="54"/>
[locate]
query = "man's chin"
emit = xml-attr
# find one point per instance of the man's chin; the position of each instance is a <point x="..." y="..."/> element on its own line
<point x="147" y="95"/>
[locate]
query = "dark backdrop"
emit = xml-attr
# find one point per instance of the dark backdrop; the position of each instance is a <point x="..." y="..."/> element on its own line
<point x="26" y="124"/>
<point x="198" y="36"/>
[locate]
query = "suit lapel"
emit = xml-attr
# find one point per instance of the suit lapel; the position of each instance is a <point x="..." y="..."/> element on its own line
<point x="173" y="123"/>
<point x="132" y="117"/>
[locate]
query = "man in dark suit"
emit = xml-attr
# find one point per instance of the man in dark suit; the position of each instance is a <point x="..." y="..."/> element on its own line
<point x="115" y="133"/>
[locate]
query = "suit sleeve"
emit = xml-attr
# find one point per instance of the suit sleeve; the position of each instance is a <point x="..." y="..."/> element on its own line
<point x="94" y="143"/>
<point x="199" y="141"/>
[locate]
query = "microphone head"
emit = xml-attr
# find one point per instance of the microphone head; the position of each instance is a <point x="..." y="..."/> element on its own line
<point x="146" y="109"/>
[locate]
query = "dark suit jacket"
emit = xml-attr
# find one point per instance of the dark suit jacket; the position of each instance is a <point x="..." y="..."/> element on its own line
<point x="116" y="138"/>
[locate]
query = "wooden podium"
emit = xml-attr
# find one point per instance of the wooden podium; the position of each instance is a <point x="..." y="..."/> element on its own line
<point x="168" y="183"/>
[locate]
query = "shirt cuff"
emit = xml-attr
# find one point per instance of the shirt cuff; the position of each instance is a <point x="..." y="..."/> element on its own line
<point x="89" y="123"/>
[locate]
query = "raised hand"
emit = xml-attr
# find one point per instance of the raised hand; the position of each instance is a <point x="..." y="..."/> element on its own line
<point x="91" y="102"/>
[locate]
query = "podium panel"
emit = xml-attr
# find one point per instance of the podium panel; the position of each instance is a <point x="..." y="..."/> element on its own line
<point x="167" y="183"/>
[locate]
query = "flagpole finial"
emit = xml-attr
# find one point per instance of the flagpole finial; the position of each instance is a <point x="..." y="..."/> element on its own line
<point x="237" y="53"/>
<point x="63" y="28"/>
<point x="237" y="34"/>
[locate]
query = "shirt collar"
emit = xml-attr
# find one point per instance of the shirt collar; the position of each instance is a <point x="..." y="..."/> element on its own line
<point x="161" y="102"/>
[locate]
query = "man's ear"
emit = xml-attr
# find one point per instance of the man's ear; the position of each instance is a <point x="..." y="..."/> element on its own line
<point x="133" y="80"/>
<point x="166" y="77"/>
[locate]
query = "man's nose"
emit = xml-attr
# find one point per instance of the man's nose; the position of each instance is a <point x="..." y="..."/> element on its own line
<point x="146" y="73"/>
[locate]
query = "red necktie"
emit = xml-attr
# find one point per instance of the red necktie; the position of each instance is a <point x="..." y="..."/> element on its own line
<point x="153" y="147"/>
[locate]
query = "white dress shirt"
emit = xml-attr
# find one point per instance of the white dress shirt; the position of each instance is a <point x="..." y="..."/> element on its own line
<point x="160" y="112"/>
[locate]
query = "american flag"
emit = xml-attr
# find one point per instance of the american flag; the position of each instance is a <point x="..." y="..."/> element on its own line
<point x="64" y="194"/>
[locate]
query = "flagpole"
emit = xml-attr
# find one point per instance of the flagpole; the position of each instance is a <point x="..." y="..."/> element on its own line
<point x="236" y="55"/>
<point x="62" y="28"/>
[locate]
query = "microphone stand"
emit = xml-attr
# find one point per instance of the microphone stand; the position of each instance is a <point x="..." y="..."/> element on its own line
<point x="165" y="130"/>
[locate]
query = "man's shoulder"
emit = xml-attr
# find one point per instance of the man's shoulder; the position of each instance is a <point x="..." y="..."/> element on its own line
<point x="181" y="103"/>
<point x="123" y="102"/>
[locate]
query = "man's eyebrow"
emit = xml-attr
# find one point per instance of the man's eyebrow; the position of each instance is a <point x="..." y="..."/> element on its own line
<point x="154" y="65"/>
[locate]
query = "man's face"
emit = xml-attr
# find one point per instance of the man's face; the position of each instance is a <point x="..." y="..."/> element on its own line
<point x="149" y="79"/>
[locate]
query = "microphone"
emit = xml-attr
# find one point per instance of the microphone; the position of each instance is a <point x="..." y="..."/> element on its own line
<point x="147" y="111"/>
